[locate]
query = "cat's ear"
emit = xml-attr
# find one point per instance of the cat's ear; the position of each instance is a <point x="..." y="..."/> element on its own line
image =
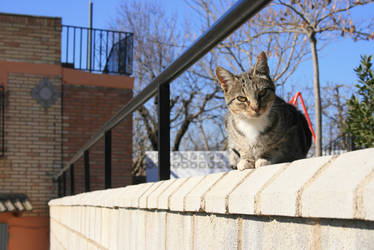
<point x="261" y="66"/>
<point x="224" y="77"/>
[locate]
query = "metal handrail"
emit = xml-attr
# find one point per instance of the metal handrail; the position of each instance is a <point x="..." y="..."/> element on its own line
<point x="223" y="27"/>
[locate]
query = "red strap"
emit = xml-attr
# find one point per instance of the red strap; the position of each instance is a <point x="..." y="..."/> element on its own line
<point x="293" y="101"/>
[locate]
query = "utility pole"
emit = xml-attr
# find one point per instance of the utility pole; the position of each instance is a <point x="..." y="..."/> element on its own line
<point x="89" y="37"/>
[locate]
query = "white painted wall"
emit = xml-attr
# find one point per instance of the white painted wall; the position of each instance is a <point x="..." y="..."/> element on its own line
<point x="188" y="163"/>
<point x="316" y="203"/>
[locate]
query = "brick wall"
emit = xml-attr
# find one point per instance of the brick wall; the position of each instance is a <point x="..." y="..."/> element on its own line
<point x="86" y="109"/>
<point x="32" y="132"/>
<point x="32" y="142"/>
<point x="38" y="139"/>
<point x="31" y="39"/>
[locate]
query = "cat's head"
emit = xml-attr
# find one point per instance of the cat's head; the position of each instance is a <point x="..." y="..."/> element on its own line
<point x="250" y="94"/>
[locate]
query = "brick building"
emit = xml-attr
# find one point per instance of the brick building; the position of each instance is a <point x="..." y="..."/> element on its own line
<point x="49" y="113"/>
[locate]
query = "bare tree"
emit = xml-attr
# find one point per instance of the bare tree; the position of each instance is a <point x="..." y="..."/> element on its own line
<point x="239" y="51"/>
<point x="157" y="42"/>
<point x="317" y="21"/>
<point x="197" y="103"/>
<point x="334" y="110"/>
<point x="212" y="135"/>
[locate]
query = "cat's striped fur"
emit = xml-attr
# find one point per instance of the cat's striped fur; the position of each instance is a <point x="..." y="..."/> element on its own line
<point x="262" y="128"/>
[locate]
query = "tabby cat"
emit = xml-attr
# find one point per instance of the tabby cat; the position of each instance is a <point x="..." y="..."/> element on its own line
<point x="262" y="128"/>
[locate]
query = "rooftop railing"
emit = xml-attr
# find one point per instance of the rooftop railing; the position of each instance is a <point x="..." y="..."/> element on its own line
<point x="238" y="14"/>
<point x="97" y="50"/>
<point x="341" y="144"/>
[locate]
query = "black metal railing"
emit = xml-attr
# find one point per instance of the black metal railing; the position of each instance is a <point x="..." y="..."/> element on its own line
<point x="97" y="50"/>
<point x="229" y="22"/>
<point x="341" y="144"/>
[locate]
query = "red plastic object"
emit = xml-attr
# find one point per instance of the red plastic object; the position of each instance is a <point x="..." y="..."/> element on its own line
<point x="293" y="101"/>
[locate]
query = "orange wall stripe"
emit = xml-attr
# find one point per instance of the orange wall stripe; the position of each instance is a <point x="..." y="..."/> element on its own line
<point x="72" y="76"/>
<point x="69" y="76"/>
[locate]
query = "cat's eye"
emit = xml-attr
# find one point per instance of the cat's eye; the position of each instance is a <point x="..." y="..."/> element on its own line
<point x="262" y="93"/>
<point x="241" y="98"/>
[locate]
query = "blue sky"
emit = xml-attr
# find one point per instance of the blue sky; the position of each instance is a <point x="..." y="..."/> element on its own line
<point x="75" y="12"/>
<point x="337" y="60"/>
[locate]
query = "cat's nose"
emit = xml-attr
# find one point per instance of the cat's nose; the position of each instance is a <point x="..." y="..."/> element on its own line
<point x="255" y="108"/>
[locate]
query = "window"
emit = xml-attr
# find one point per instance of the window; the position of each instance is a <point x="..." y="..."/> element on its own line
<point x="4" y="236"/>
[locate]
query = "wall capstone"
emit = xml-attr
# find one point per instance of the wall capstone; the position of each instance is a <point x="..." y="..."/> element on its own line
<point x="311" y="196"/>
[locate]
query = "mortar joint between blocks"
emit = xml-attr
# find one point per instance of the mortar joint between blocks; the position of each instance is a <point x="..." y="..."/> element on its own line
<point x="257" y="198"/>
<point x="298" y="205"/>
<point x="235" y="187"/>
<point x="202" y="198"/>
<point x="358" y="200"/>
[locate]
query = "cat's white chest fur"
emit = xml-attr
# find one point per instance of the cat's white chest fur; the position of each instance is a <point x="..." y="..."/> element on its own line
<point x="252" y="128"/>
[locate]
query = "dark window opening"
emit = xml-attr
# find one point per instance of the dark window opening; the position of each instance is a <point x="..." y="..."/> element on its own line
<point x="4" y="236"/>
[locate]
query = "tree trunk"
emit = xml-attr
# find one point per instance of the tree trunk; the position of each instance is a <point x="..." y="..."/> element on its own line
<point x="317" y="93"/>
<point x="181" y="132"/>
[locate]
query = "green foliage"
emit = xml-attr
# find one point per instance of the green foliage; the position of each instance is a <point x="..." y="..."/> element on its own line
<point x="360" y="117"/>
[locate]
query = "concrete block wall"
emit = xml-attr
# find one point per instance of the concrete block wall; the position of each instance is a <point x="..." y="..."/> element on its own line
<point x="317" y="203"/>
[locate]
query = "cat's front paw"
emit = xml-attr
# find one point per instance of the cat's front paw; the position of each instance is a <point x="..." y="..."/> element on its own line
<point x="261" y="162"/>
<point x="244" y="164"/>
